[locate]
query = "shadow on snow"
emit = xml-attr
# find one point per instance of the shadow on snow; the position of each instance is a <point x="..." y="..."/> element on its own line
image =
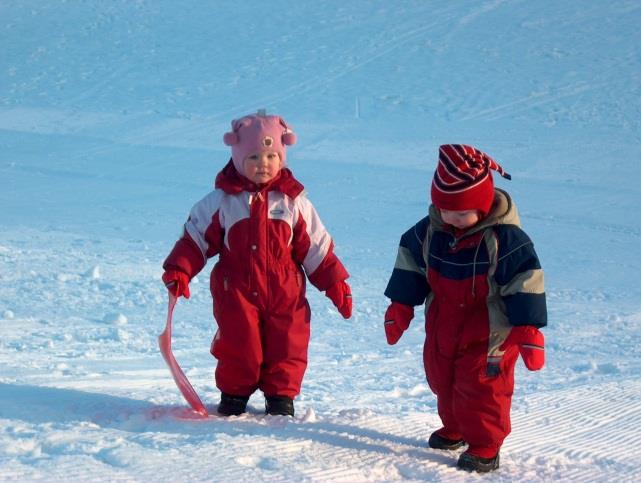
<point x="68" y="407"/>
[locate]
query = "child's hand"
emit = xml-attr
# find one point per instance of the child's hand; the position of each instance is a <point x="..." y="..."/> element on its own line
<point x="341" y="296"/>
<point x="531" y="345"/>
<point x="177" y="283"/>
<point x="397" y="319"/>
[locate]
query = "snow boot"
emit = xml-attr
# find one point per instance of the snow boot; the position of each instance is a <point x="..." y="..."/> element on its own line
<point x="231" y="405"/>
<point x="279" y="405"/>
<point x="437" y="441"/>
<point x="470" y="462"/>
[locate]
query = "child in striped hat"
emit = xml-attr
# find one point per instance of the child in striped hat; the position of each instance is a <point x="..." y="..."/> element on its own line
<point x="482" y="284"/>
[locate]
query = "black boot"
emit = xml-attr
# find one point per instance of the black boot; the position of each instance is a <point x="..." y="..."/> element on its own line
<point x="231" y="405"/>
<point x="279" y="405"/>
<point x="439" y="442"/>
<point x="470" y="462"/>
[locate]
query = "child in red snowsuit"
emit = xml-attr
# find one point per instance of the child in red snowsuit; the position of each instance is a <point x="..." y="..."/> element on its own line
<point x="269" y="238"/>
<point x="482" y="285"/>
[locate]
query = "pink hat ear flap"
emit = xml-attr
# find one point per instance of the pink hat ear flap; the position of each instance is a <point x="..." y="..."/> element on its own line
<point x="284" y="124"/>
<point x="236" y="124"/>
<point x="230" y="138"/>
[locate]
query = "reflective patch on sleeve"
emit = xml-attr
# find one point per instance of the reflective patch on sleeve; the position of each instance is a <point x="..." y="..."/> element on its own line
<point x="405" y="261"/>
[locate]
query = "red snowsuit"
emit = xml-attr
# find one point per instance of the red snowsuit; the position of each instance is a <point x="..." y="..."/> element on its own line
<point x="267" y="239"/>
<point x="476" y="286"/>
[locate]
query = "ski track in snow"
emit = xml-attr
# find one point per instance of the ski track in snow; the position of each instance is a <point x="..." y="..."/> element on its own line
<point x="347" y="446"/>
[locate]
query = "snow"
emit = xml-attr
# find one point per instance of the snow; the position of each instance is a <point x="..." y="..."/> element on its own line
<point x="111" y="124"/>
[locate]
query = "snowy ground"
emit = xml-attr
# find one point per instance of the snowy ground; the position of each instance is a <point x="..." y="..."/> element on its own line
<point x="111" y="123"/>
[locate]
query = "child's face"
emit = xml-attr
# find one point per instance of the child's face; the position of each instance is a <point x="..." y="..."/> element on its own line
<point x="262" y="167"/>
<point x="460" y="219"/>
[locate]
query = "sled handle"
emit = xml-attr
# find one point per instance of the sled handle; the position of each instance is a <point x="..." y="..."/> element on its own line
<point x="164" y="343"/>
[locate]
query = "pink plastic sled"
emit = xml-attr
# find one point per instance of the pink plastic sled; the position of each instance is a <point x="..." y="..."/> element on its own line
<point x="164" y="342"/>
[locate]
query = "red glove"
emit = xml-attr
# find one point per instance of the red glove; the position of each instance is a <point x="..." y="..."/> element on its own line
<point x="341" y="296"/>
<point x="397" y="319"/>
<point x="177" y="283"/>
<point x="531" y="345"/>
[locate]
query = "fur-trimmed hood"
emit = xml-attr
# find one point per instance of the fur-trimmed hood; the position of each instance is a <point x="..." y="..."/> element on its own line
<point x="503" y="212"/>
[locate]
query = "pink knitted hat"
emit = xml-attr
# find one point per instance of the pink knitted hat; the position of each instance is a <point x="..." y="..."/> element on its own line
<point x="463" y="179"/>
<point x="256" y="133"/>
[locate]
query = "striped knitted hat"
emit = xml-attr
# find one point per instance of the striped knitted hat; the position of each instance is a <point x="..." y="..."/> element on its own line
<point x="463" y="179"/>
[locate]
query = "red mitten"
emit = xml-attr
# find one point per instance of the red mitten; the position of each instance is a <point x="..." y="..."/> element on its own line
<point x="531" y="345"/>
<point x="397" y="319"/>
<point x="177" y="283"/>
<point x="341" y="296"/>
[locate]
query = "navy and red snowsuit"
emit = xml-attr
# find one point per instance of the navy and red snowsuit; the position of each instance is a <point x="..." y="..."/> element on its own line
<point x="267" y="238"/>
<point x="476" y="285"/>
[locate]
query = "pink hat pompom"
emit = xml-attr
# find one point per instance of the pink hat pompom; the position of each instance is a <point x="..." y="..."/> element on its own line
<point x="230" y="138"/>
<point x="289" y="138"/>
